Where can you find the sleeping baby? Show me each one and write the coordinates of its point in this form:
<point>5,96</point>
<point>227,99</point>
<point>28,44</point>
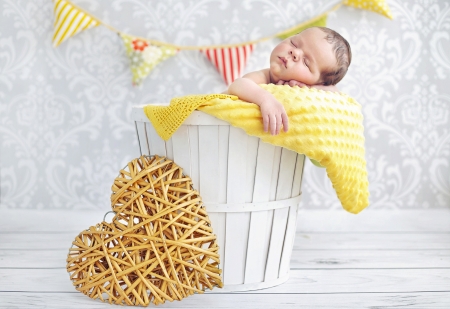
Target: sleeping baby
<point>316,57</point>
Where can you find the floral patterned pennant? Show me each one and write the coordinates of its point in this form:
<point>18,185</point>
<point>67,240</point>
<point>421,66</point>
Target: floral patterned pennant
<point>144,56</point>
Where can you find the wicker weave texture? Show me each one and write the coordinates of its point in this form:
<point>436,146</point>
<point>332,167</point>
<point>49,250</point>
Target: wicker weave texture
<point>160,245</point>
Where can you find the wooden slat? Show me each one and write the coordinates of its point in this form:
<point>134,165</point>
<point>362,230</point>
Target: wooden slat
<point>279,223</point>
<point>218,220</point>
<point>208,163</point>
<point>142,137</point>
<point>286,174</point>
<point>218,223</point>
<point>237,224</point>
<point>260,227</point>
<point>258,244</point>
<point>292,219</point>
<point>181,149</point>
<point>430,300</point>
<point>209,175</point>
<point>252,152</point>
<point>275,171</point>
<point>288,242</point>
<point>156,145</point>
<point>169,148</point>
<point>195,156</point>
<point>304,280</point>
<point>298,175</point>
<point>263,176</point>
<point>237,169</point>
<point>224,135</point>
<point>280,217</point>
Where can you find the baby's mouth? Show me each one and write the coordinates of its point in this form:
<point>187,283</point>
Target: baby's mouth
<point>284,61</point>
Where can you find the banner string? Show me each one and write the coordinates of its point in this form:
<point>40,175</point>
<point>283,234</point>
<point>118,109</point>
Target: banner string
<point>184,47</point>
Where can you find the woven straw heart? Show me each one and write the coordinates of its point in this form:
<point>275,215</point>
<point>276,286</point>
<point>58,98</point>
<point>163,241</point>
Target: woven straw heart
<point>160,245</point>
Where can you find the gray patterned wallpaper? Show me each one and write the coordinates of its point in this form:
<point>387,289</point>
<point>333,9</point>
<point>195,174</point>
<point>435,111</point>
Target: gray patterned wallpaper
<point>65,113</point>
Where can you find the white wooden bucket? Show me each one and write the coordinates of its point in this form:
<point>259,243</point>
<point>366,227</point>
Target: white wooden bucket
<point>250,189</point>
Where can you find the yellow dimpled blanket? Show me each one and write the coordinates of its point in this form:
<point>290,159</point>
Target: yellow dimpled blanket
<point>325,126</point>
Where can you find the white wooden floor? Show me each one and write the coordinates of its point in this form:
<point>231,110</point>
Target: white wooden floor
<point>377,259</point>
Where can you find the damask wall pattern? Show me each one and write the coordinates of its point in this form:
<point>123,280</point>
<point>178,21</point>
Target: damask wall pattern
<point>65,113</point>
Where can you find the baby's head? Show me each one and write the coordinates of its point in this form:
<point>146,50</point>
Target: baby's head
<point>317,55</point>
<point>343,54</point>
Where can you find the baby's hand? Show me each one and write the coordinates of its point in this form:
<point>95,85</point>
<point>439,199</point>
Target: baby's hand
<point>274,115</point>
<point>292,83</point>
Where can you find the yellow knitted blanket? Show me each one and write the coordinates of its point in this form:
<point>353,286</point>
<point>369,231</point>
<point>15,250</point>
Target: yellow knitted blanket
<point>325,126</point>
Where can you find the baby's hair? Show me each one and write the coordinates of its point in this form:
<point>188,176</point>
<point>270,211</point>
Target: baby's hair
<point>343,55</point>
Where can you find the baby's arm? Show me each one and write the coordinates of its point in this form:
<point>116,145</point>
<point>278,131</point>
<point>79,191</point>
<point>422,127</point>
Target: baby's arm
<point>272,111</point>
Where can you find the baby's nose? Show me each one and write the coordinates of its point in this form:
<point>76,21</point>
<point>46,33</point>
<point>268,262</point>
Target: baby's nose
<point>294,54</point>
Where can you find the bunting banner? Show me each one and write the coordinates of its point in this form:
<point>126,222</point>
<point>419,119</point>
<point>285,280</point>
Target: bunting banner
<point>69,20</point>
<point>229,61</point>
<point>145,54</point>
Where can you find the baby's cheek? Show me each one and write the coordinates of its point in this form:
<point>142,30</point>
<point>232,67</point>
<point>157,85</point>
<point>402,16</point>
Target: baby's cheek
<point>275,70</point>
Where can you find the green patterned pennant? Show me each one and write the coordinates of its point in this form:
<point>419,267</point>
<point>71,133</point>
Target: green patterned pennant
<point>144,56</point>
<point>320,21</point>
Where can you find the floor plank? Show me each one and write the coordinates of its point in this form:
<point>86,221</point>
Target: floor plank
<point>304,280</point>
<point>69,221</point>
<point>430,300</point>
<point>37,258</point>
<point>370,258</point>
<point>390,220</point>
<point>427,220</point>
<point>372,241</point>
<point>43,258</point>
<point>310,241</point>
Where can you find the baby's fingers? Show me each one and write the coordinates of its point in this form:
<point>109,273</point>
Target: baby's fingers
<point>293,83</point>
<point>285,120</point>
<point>266,122</point>
<point>278,124</point>
<point>273,124</point>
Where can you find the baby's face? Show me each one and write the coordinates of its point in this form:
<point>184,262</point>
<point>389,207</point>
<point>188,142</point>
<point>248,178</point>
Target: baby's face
<point>302,57</point>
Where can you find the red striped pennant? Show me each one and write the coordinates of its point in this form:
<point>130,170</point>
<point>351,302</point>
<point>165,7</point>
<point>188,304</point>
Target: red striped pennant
<point>229,61</point>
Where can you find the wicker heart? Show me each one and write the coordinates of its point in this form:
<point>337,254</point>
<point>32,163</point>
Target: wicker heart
<point>160,245</point>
